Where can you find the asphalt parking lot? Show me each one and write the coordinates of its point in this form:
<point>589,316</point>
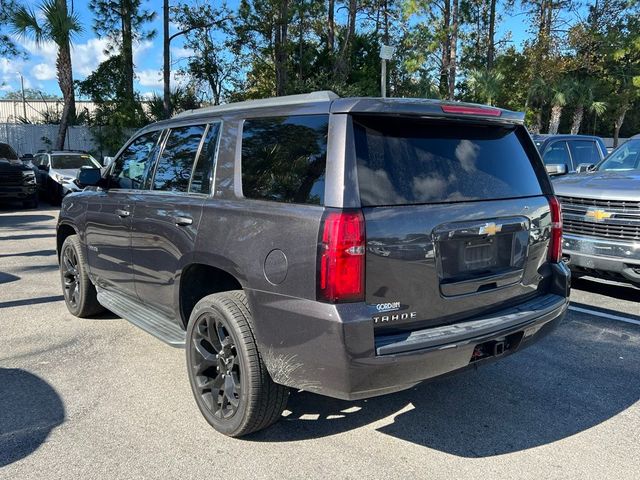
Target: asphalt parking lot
<point>100,398</point>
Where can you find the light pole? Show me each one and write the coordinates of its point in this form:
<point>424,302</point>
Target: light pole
<point>386,52</point>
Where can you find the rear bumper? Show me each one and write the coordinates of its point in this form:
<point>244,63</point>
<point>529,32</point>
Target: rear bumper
<point>331,350</point>
<point>602,257</point>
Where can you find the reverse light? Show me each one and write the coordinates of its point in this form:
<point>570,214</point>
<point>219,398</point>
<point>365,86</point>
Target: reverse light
<point>341,257</point>
<point>468,110</point>
<point>555,243</point>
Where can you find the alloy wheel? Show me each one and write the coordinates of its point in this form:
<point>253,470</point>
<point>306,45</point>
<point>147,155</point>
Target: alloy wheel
<point>216,364</point>
<point>71,277</point>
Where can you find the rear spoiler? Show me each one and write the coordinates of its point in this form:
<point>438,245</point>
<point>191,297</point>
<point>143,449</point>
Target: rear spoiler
<point>425,107</point>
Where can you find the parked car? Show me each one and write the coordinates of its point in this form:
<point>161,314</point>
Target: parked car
<point>349,247</point>
<point>17,181</point>
<point>58,171</point>
<point>563,154</point>
<point>601,215</point>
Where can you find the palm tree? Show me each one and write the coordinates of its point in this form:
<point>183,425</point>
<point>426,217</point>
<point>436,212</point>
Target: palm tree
<point>53,23</point>
<point>559,96</point>
<point>584,99</point>
<point>485,85</point>
<point>537,95</point>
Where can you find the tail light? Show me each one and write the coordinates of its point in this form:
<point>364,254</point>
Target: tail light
<point>555,244</point>
<point>341,257</point>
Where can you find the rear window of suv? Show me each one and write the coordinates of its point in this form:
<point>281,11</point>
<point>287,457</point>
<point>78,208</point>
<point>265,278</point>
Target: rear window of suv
<point>284,158</point>
<point>403,161</point>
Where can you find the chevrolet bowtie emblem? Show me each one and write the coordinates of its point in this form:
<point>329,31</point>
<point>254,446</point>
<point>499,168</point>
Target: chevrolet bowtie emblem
<point>490,229</point>
<point>598,215</point>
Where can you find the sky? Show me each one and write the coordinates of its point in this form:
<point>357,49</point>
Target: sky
<point>38,69</point>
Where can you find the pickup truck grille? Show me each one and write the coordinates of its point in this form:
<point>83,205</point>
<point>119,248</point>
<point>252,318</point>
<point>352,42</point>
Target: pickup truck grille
<point>11,178</point>
<point>620,219</point>
<point>603,230</point>
<point>622,205</point>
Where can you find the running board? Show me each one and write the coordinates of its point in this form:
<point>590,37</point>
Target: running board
<point>151,321</point>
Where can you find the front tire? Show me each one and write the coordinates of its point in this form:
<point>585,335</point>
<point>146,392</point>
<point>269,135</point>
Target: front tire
<point>228,377</point>
<point>80,294</point>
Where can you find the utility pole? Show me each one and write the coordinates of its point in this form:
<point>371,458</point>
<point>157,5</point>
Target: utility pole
<point>24,101</point>
<point>386,53</point>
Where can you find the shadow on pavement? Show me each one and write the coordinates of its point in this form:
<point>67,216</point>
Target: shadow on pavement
<point>571,381</point>
<point>7,277</point>
<point>30,409</point>
<point>36,253</point>
<point>28,236</point>
<point>617,290</point>
<point>31,301</point>
<point>21,220</point>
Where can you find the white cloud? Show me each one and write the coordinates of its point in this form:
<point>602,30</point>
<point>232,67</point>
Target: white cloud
<point>43,71</point>
<point>152,79</point>
<point>178,53</point>
<point>85,57</point>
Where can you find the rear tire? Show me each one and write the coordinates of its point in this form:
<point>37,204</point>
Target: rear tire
<point>80,294</point>
<point>228,377</point>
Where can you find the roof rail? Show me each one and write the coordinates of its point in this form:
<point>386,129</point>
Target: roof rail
<point>320,96</point>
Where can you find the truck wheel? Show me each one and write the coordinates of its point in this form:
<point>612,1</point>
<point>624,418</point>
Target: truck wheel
<point>79,293</point>
<point>31,203</point>
<point>229,380</point>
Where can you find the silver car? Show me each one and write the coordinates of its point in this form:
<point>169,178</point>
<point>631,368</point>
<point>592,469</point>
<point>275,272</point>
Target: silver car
<point>58,170</point>
<point>601,215</point>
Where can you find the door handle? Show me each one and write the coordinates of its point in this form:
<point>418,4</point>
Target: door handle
<point>122,213</point>
<point>183,221</point>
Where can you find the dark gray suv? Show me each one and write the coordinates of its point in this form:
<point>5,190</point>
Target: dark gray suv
<point>349,247</point>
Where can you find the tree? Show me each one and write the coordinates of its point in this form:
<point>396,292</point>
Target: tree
<point>583,99</point>
<point>122,22</point>
<point>559,95</point>
<point>206,30</point>
<point>486,85</point>
<point>53,22</point>
<point>8,48</point>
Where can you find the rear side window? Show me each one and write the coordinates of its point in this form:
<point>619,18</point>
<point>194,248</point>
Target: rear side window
<point>409,161</point>
<point>175,164</point>
<point>203,171</point>
<point>584,151</point>
<point>284,158</point>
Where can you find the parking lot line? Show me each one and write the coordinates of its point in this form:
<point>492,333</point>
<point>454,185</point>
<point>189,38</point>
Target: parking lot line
<point>604,315</point>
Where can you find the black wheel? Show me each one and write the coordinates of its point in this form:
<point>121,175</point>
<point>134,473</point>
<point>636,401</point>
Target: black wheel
<point>31,203</point>
<point>229,380</point>
<point>79,292</point>
<point>55,194</point>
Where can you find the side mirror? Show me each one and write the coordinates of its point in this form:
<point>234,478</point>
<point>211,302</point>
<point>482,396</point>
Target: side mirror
<point>106,161</point>
<point>585,167</point>
<point>89,177</point>
<point>43,167</point>
<point>556,169</point>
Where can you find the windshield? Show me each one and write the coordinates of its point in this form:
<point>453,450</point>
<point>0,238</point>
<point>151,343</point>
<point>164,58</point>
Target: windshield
<point>70,161</point>
<point>625,157</point>
<point>7,152</point>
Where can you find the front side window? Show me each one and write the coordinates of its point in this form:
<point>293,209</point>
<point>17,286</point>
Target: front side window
<point>626,157</point>
<point>132,166</point>
<point>284,158</point>
<point>557,154</point>
<point>176,161</point>
<point>584,151</point>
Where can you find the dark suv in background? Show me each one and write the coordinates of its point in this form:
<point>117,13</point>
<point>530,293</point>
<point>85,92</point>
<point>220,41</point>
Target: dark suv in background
<point>17,180</point>
<point>349,247</point>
